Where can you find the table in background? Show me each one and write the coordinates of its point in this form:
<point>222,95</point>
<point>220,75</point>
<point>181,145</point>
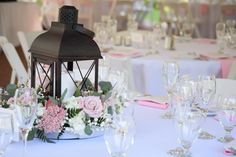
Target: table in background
<point>145,71</point>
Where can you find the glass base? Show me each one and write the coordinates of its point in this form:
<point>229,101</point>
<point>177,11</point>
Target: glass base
<point>118,154</point>
<point>167,115</point>
<point>176,151</point>
<point>225,139</point>
<point>2,153</point>
<point>206,136</point>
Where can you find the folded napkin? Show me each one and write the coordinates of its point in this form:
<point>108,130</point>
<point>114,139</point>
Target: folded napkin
<point>205,41</point>
<point>126,54</point>
<point>155,102</point>
<point>214,56</point>
<point>230,148</point>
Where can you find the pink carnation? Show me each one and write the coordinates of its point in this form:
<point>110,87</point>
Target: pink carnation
<point>53,118</point>
<point>93,106</point>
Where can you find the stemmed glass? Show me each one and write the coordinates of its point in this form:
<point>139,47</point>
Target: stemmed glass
<point>26,104</point>
<point>119,135</point>
<point>188,29</point>
<point>227,116</point>
<point>221,36</point>
<point>188,121</point>
<point>6,132</point>
<point>183,99</point>
<point>206,91</point>
<point>170,73</point>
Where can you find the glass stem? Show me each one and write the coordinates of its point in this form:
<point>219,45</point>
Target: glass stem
<point>228,137</point>
<point>187,152</point>
<point>170,98</point>
<point>24,134</point>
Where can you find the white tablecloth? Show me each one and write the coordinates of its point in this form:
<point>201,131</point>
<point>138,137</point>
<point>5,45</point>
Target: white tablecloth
<point>146,71</point>
<point>154,138</point>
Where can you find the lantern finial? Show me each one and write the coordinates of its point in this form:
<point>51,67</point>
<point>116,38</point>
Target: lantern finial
<point>68,15</point>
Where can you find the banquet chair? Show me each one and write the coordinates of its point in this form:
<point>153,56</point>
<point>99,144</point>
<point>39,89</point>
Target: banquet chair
<point>15,62</point>
<point>26,39</point>
<point>225,87</point>
<point>232,72</point>
<point>3,40</point>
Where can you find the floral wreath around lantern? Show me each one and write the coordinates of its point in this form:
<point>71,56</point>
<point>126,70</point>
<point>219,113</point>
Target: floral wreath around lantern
<point>80,114</point>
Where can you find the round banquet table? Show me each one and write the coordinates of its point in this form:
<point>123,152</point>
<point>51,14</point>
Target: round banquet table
<point>154,137</point>
<point>195,57</point>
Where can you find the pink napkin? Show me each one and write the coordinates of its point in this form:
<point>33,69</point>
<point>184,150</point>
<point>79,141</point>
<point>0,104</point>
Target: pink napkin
<point>225,66</point>
<point>128,54</point>
<point>152,104</point>
<point>205,41</point>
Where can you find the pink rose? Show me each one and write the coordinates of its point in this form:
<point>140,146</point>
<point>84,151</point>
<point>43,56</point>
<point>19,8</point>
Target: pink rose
<point>11,101</point>
<point>93,106</point>
<point>26,100</point>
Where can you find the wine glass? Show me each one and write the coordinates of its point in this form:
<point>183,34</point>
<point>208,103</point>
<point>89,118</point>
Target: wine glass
<point>221,36</point>
<point>206,89</point>
<point>188,29</point>
<point>119,135</point>
<point>170,73</point>
<point>26,104</point>
<point>188,121</point>
<point>227,116</point>
<point>6,132</point>
<point>206,92</point>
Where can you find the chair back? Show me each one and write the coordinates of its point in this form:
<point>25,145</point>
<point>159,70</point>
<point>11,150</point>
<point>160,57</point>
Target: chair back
<point>225,87</point>
<point>26,39</point>
<point>232,72</point>
<point>15,61</point>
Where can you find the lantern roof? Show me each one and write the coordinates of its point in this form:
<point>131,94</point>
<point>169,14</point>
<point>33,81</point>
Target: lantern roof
<point>66,40</point>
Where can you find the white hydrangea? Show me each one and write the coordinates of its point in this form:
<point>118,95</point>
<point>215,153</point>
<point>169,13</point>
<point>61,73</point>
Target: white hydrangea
<point>41,110</point>
<point>72,102</point>
<point>77,125</point>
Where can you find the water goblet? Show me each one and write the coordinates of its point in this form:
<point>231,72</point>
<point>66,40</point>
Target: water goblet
<point>6,132</point>
<point>206,91</point>
<point>26,104</point>
<point>227,116</point>
<point>188,121</point>
<point>170,73</point>
<point>188,29</point>
<point>221,36</point>
<point>119,135</point>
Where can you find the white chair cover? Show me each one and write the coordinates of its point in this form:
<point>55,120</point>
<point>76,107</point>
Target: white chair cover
<point>225,87</point>
<point>232,72</point>
<point>15,62</point>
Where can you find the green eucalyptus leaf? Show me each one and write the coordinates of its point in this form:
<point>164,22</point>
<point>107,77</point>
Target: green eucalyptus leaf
<point>110,110</point>
<point>64,94</point>
<point>11,89</point>
<point>77,93</point>
<point>31,135</point>
<point>105,86</point>
<point>88,130</point>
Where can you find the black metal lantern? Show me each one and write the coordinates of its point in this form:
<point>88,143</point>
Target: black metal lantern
<point>64,43</point>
